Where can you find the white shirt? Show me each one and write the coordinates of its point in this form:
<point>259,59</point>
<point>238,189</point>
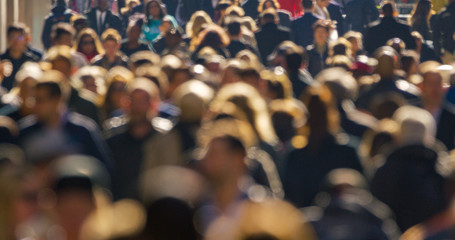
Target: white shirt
<point>100,18</point>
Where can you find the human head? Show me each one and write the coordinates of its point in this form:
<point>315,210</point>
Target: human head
<point>224,160</point>
<point>308,4</point>
<point>88,43</point>
<point>323,3</point>
<point>49,96</point>
<point>195,25</point>
<point>61,59</point>
<point>269,16</point>
<point>155,9</point>
<point>263,5</point>
<point>432,88</point>
<point>417,126</point>
<point>321,31</point>
<point>193,98</point>
<point>388,8</point>
<point>63,34</point>
<point>111,40</point>
<point>355,38</point>
<point>143,100</point>
<point>134,30</point>
<point>103,5</point>
<point>16,36</point>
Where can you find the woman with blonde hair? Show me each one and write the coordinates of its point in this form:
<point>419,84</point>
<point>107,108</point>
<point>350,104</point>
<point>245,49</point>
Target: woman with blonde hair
<point>196,24</point>
<point>88,43</point>
<point>214,37</point>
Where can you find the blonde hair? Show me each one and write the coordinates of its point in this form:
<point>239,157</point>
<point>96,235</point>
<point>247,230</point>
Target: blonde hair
<point>250,105</point>
<point>196,22</point>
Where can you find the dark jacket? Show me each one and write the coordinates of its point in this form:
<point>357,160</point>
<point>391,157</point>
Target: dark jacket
<point>445,131</point>
<point>269,37</point>
<point>378,90</point>
<point>336,14</point>
<point>58,14</point>
<point>359,14</point>
<point>306,169</point>
<point>80,105</point>
<point>302,29</point>
<point>9,82</point>
<point>102,61</point>
<point>110,21</point>
<point>316,60</point>
<point>410,185</point>
<point>443,31</point>
<point>388,28</point>
<point>77,134</point>
<point>128,156</point>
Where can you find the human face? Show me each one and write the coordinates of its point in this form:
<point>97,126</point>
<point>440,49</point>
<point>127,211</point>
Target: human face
<point>320,36</point>
<point>87,45</point>
<point>217,162</point>
<point>111,47</point>
<point>154,10</point>
<point>116,93</point>
<point>432,88</point>
<point>103,5</point>
<point>140,104</point>
<point>46,107</point>
<point>65,39</point>
<point>323,3</point>
<point>62,66</point>
<point>16,41</point>
<point>89,83</point>
<point>134,33</point>
<point>269,4</point>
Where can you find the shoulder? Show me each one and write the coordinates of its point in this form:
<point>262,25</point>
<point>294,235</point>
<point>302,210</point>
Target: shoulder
<point>27,123</point>
<point>82,122</point>
<point>97,59</point>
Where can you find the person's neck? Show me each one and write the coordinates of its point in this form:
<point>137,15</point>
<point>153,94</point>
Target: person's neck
<point>432,106</point>
<point>234,38</point>
<point>133,43</point>
<point>111,58</point>
<point>140,129</point>
<point>226,193</point>
<point>53,121</point>
<point>16,54</point>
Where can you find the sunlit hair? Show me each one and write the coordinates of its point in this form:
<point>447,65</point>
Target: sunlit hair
<point>351,35</point>
<point>154,74</point>
<point>261,6</point>
<point>323,114</point>
<point>339,61</point>
<point>143,84</point>
<point>341,47</point>
<point>196,22</point>
<point>193,98</point>
<point>116,74</point>
<point>250,107</point>
<point>278,82</point>
<point>292,107</point>
<point>213,36</point>
<point>239,129</point>
<point>95,72</point>
<point>111,34</point>
<point>417,126</point>
<point>234,10</point>
<point>249,23</point>
<point>91,33</point>
<point>248,56</point>
<point>421,12</point>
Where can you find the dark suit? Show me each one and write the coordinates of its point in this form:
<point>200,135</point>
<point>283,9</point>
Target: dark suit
<point>445,131</point>
<point>110,21</point>
<point>386,29</point>
<point>359,14</point>
<point>269,37</point>
<point>443,31</point>
<point>336,14</point>
<point>302,29</point>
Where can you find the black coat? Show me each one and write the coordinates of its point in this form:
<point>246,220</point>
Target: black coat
<point>269,37</point>
<point>302,29</point>
<point>58,14</point>
<point>306,169</point>
<point>110,21</point>
<point>443,31</point>
<point>359,14</point>
<point>388,28</point>
<point>336,14</point>
<point>316,61</point>
<point>410,185</point>
<point>445,131</point>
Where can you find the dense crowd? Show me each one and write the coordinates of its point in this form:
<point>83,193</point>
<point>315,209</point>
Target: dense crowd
<point>248,120</point>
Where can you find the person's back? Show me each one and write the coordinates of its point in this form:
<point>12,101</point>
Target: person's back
<point>359,13</point>
<point>302,27</point>
<point>388,28</point>
<point>270,35</point>
<point>443,32</point>
<point>59,13</point>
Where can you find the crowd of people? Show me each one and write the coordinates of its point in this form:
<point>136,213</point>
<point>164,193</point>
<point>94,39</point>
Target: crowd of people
<point>229,119</point>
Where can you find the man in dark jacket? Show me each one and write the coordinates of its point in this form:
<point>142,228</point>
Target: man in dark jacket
<point>101,18</point>
<point>443,32</point>
<point>336,14</point>
<point>359,14</point>
<point>270,35</point>
<point>54,130</point>
<point>302,27</point>
<point>388,28</point>
<point>60,13</point>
